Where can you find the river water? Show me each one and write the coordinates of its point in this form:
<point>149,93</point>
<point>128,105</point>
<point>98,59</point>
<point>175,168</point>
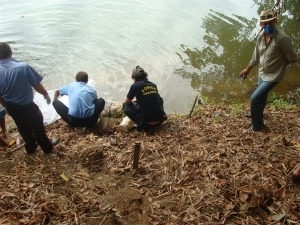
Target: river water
<point>187,47</point>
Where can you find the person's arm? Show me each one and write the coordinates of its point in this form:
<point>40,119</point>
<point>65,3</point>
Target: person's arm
<point>244,73</point>
<point>287,49</point>
<point>56,95</point>
<point>131,94</point>
<point>253,62</point>
<point>127,100</point>
<point>40,89</point>
<point>2,102</point>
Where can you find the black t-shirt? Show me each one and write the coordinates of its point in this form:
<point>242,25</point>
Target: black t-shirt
<point>149,101</point>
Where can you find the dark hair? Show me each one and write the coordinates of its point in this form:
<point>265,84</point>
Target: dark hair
<point>5,50</point>
<point>138,73</point>
<point>82,76</point>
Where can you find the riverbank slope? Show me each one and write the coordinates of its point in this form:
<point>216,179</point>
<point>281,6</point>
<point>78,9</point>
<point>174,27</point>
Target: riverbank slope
<point>204,169</point>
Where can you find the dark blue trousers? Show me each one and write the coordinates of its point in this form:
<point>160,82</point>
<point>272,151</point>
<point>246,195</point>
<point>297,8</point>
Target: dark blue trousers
<point>29,121</point>
<point>63,111</point>
<point>258,103</point>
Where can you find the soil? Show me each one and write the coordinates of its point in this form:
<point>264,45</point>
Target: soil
<point>208,168</point>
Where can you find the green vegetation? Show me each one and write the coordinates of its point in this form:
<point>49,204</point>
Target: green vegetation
<point>237,109</point>
<point>290,101</point>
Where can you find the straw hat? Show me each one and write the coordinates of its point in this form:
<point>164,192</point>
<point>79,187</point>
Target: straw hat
<point>267,15</point>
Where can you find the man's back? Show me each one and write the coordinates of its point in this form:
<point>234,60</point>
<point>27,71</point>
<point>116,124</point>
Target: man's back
<point>148,99</point>
<point>82,99</point>
<point>16,81</point>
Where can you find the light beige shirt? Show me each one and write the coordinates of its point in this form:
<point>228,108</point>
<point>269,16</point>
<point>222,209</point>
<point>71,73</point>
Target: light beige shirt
<point>274,57</point>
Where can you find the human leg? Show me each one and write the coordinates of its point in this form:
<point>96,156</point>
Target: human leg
<point>258,103</point>
<point>89,121</point>
<point>2,120</point>
<point>296,175</point>
<point>35,117</point>
<point>99,106</point>
<point>3,126</point>
<point>132,111</point>
<point>19,115</point>
<point>62,110</point>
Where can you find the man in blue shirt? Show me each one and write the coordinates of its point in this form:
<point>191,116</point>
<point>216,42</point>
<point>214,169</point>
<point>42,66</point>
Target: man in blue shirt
<point>84,105</point>
<point>16,95</point>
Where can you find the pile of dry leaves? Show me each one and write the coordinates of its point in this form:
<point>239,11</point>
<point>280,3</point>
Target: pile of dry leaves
<point>203,169</point>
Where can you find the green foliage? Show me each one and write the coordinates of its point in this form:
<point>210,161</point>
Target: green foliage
<point>279,102</point>
<point>237,109</point>
<point>196,106</point>
<point>293,97</point>
<point>218,119</point>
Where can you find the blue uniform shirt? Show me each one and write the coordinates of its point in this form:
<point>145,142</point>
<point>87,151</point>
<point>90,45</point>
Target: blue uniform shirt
<point>82,99</point>
<point>16,81</point>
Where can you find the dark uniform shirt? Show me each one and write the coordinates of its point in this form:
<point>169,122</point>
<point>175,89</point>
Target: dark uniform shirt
<point>148,100</point>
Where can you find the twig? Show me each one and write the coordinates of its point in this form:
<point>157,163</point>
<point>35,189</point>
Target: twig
<point>8,181</point>
<point>14,149</point>
<point>193,106</point>
<point>103,220</point>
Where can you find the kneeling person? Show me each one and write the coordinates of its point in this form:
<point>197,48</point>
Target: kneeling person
<point>84,105</point>
<point>148,110</point>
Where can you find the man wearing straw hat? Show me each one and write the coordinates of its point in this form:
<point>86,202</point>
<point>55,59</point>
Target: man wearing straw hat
<point>273,53</point>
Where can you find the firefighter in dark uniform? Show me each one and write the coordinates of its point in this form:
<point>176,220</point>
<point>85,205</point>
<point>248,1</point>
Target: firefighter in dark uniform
<point>147,110</point>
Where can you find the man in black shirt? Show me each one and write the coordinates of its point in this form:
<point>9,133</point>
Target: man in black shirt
<point>148,110</point>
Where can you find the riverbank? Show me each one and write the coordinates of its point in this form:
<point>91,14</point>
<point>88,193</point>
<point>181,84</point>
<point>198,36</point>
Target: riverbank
<point>204,169</point>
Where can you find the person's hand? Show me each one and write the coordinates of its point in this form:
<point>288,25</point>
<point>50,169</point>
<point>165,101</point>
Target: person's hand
<point>56,95</point>
<point>244,74</point>
<point>48,99</point>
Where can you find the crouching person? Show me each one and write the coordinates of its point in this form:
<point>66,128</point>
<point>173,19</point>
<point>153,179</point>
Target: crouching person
<point>148,110</point>
<point>84,105</point>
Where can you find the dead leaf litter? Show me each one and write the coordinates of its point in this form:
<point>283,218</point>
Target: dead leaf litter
<point>204,169</point>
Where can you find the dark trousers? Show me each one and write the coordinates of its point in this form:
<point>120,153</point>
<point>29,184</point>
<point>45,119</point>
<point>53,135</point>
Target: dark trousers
<point>29,121</point>
<point>63,111</point>
<point>132,111</point>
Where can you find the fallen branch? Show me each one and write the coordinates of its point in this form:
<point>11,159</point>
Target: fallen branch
<point>14,149</point>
